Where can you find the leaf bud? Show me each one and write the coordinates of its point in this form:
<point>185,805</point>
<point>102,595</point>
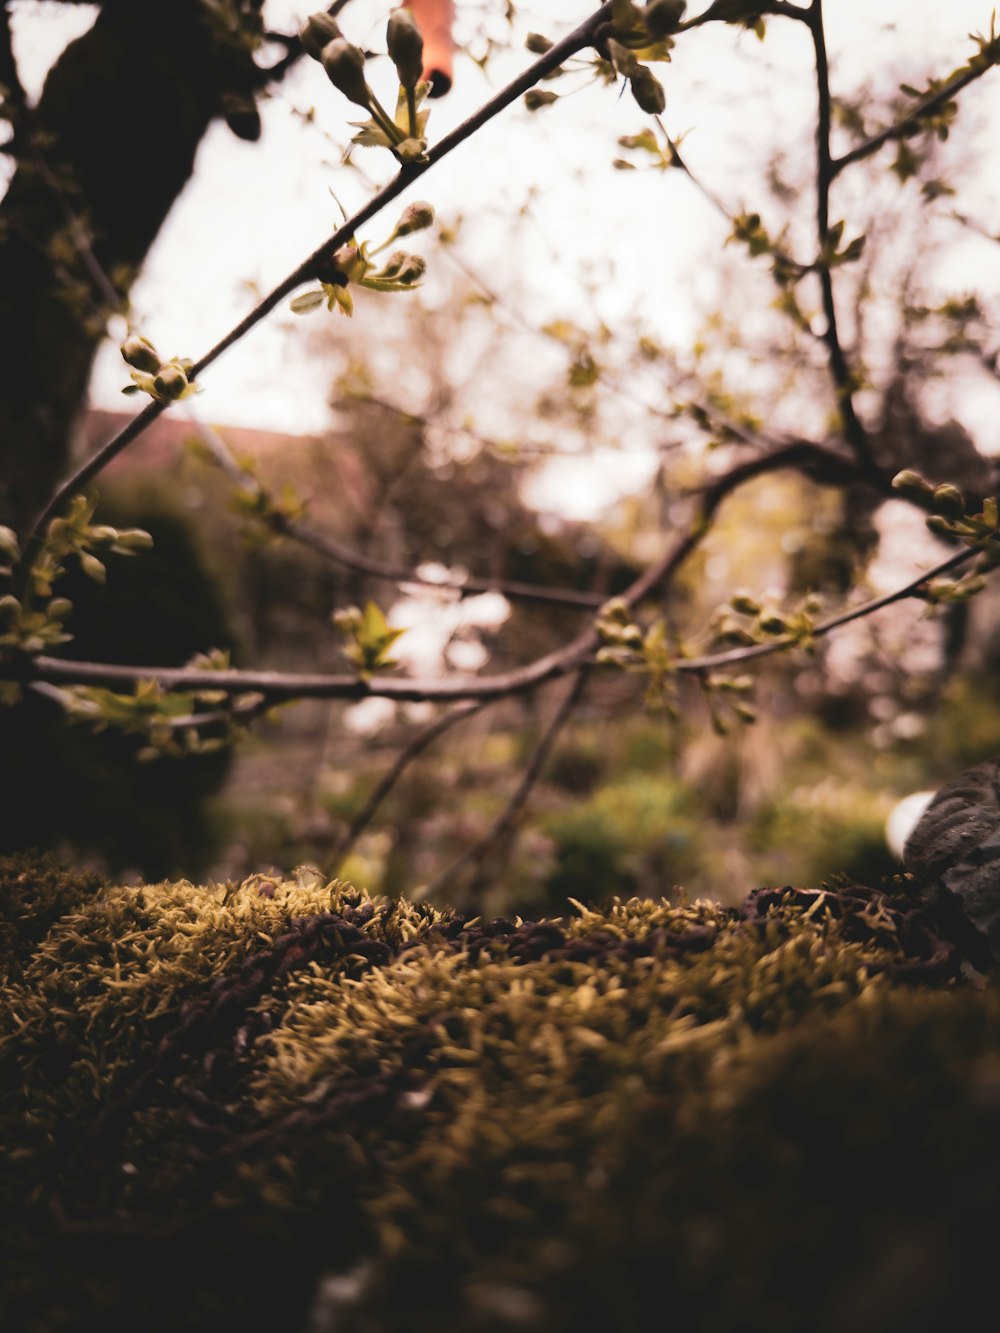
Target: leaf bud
<point>135,539</point>
<point>317,32</point>
<point>413,270</point>
<point>92,567</point>
<point>744,604</point>
<point>663,16</point>
<point>347,619</point>
<point>345,68</point>
<point>415,217</point>
<point>537,44</point>
<point>140,353</point>
<point>947,500</point>
<point>617,610</point>
<point>911,486</point>
<point>406,47</point>
<point>536,98</point>
<point>393,266</point>
<point>170,384</point>
<point>647,91</point>
<point>8,543</point>
<point>939,525</point>
<point>771,622</point>
<point>242,117</point>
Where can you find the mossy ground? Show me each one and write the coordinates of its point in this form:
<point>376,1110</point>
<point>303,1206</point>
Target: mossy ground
<point>286,1105</point>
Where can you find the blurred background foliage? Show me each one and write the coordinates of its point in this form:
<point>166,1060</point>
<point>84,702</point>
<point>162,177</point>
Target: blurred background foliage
<point>471,430</point>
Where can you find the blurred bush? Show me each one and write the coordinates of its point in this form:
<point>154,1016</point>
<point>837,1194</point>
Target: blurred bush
<point>87,793</point>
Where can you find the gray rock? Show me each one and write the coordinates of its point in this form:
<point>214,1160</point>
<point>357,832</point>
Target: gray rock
<point>954,854</point>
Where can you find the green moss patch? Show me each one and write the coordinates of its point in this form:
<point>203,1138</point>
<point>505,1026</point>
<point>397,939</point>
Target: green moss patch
<point>288,1105</point>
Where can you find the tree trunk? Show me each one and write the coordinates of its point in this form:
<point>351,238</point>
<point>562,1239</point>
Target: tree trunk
<point>109,146</point>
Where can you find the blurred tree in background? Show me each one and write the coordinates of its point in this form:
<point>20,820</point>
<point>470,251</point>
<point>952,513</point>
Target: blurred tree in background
<point>572,695</point>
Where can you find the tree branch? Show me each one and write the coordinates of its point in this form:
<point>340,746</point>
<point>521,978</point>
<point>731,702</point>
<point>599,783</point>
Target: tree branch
<point>581,37</point>
<point>341,554</point>
<point>927,107</point>
<point>406,756</point>
<point>505,821</point>
<point>912,589</point>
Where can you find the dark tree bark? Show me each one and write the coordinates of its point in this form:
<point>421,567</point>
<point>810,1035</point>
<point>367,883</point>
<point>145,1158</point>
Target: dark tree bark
<point>102,157</point>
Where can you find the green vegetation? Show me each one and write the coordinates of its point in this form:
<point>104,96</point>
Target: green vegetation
<point>287,1104</point>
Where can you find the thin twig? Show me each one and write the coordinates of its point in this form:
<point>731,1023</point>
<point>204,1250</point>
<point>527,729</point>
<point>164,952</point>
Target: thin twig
<point>912,589</point>
<point>236,710</point>
<point>840,371</point>
<point>340,553</point>
<point>577,40</point>
<point>504,823</point>
<point>770,7</point>
<point>403,759</point>
<point>927,107</point>
<point>288,685</point>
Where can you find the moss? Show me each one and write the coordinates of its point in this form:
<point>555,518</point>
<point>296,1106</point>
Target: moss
<point>289,1104</point>
<point>35,891</point>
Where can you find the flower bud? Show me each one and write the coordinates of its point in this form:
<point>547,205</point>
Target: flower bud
<point>537,44</point>
<point>170,384</point>
<point>617,610</point>
<point>140,353</point>
<point>744,604</point>
<point>415,217</point>
<point>412,270</point>
<point>912,485</point>
<point>940,526</point>
<point>406,47</point>
<point>242,117</point>
<point>317,32</point>
<point>947,500</point>
<point>345,68</point>
<point>663,16</point>
<point>647,91</point>
<point>536,98</point>
<point>394,265</point>
<point>772,623</point>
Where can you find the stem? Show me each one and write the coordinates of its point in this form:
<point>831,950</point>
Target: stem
<point>384,121</point>
<point>505,821</point>
<point>840,371</point>
<point>911,589</point>
<point>339,553</point>
<point>416,747</point>
<point>288,685</point>
<point>912,118</point>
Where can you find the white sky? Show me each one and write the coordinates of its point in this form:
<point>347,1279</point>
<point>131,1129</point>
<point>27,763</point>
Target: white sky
<point>252,211</point>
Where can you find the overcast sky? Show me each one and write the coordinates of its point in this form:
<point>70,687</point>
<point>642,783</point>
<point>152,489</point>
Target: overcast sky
<point>253,211</point>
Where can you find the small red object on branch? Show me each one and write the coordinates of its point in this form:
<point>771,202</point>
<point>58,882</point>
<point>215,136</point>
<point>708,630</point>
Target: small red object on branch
<point>434,19</point>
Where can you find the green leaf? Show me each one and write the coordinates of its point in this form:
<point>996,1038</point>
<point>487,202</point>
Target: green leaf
<point>306,302</point>
<point>584,371</point>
